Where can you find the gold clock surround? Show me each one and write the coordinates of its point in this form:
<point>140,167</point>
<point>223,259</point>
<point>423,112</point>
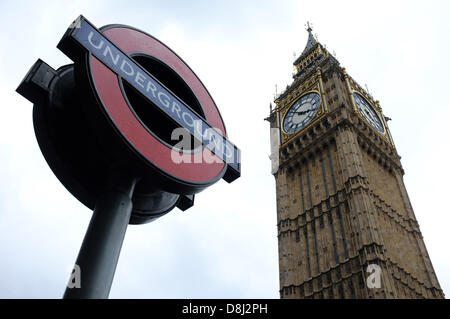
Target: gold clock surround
<point>321,112</point>
<point>375,109</point>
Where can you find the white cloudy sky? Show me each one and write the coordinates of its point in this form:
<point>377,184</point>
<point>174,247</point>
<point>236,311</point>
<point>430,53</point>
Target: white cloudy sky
<point>226,245</point>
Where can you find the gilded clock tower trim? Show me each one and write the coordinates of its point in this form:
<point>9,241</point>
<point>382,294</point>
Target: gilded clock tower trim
<point>346,227</point>
<point>314,85</point>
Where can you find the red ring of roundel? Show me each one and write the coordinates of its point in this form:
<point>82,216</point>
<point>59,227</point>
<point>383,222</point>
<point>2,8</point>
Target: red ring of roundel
<point>151,148</point>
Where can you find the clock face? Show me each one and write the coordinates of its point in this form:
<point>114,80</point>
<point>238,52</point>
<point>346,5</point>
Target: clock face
<point>368,112</point>
<point>301,112</point>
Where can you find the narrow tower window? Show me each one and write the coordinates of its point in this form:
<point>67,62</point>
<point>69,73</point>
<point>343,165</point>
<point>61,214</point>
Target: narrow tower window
<point>307,250</point>
<point>302,194</point>
<point>341,223</point>
<point>330,217</point>
<point>324,178</point>
<point>316,248</point>
<point>333,180</point>
<point>308,179</point>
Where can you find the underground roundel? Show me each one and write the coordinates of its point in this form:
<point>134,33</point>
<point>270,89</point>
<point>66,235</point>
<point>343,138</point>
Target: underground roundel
<point>148,91</point>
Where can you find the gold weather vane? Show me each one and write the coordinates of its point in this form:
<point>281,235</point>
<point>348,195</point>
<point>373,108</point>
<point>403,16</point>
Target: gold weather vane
<point>308,26</point>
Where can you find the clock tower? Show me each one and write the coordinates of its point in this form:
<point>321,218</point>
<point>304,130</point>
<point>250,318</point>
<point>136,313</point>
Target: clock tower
<point>346,227</point>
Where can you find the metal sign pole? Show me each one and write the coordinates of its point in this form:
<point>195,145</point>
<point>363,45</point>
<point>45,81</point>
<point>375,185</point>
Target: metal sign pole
<point>99,253</point>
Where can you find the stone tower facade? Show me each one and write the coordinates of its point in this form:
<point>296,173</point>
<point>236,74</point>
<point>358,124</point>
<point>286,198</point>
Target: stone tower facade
<point>346,227</point>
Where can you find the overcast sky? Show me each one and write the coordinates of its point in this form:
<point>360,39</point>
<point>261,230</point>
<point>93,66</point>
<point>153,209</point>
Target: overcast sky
<point>226,245</point>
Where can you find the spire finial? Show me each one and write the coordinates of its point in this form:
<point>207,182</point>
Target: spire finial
<point>308,26</point>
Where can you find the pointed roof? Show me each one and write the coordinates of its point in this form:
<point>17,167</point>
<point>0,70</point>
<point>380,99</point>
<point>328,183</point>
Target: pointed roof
<point>309,44</point>
<point>311,40</point>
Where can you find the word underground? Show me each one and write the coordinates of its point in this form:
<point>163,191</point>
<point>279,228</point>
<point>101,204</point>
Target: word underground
<point>120,63</point>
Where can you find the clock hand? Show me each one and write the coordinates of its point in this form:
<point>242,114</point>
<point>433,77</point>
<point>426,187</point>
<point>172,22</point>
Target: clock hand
<point>372,117</point>
<point>303,112</point>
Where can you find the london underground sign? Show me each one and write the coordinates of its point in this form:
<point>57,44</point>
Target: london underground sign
<point>111,55</point>
<point>106,125</point>
<point>109,60</point>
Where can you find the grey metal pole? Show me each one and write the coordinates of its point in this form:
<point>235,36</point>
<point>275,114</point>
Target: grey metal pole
<point>99,253</point>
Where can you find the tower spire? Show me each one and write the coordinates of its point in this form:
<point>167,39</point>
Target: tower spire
<point>311,39</point>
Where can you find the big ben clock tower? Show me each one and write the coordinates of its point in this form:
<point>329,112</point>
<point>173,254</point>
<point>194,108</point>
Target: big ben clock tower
<point>346,227</point>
